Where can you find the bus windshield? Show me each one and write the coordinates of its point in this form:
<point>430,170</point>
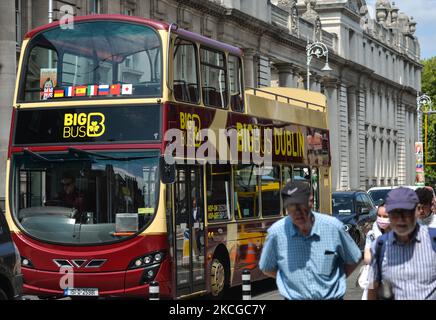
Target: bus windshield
<point>93,60</point>
<point>81,197</point>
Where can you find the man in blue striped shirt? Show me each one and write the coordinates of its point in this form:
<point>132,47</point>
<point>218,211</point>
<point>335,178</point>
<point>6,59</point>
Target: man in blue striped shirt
<point>310,254</point>
<point>405,256</point>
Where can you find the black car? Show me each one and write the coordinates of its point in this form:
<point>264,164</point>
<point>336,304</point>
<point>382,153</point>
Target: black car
<point>357,211</point>
<point>11,279</point>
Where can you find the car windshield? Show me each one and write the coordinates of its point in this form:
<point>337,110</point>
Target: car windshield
<point>342,204</point>
<point>93,60</point>
<point>81,197</point>
<point>378,196</point>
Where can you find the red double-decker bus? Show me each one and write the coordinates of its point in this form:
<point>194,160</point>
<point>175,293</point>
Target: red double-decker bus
<point>93,207</point>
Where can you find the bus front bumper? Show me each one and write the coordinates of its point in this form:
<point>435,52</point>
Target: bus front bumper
<point>110,284</point>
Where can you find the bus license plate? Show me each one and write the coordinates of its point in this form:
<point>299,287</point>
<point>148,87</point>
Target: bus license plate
<point>81,292</point>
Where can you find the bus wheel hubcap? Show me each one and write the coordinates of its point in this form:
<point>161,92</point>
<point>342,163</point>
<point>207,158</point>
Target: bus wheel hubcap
<point>217,277</point>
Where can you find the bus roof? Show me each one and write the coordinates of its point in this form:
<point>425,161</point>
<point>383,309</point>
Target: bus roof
<point>209,42</point>
<point>155,24</point>
<point>159,25</point>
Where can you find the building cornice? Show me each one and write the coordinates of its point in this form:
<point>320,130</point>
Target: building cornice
<point>337,7</point>
<point>392,49</point>
<point>282,35</point>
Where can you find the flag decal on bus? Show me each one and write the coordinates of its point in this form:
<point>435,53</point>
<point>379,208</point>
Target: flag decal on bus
<point>103,90</point>
<point>115,89</point>
<point>69,91</point>
<point>59,93</point>
<point>81,91</point>
<point>92,90</point>
<point>127,89</point>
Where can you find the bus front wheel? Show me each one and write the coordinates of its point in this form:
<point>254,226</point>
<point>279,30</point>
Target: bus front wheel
<point>217,279</point>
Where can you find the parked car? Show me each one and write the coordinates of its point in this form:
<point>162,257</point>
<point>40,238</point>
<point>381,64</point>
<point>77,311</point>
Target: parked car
<point>378,194</point>
<point>11,278</point>
<point>357,211</point>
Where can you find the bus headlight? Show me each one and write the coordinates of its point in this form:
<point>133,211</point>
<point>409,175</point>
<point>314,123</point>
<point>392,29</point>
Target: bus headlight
<point>138,263</point>
<point>150,259</point>
<point>149,274</point>
<point>158,257</point>
<point>26,263</point>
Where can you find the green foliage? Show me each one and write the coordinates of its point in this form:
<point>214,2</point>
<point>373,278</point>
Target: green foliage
<point>429,88</point>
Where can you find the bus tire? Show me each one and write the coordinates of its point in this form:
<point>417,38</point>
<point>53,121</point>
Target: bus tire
<point>218,279</point>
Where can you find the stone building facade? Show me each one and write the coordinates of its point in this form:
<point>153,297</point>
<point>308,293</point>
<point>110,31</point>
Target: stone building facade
<point>371,91</point>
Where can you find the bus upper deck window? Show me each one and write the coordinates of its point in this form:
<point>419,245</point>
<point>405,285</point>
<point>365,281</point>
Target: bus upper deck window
<point>213,78</point>
<point>235,82</point>
<point>42,73</point>
<point>185,71</point>
<point>95,60</point>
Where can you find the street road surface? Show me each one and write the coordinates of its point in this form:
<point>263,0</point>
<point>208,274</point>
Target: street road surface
<point>267,290</point>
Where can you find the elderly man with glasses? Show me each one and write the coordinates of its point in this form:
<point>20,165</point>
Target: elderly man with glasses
<point>310,254</point>
<point>403,265</point>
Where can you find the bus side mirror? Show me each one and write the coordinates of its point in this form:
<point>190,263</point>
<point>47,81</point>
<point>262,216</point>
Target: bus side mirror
<point>167,171</point>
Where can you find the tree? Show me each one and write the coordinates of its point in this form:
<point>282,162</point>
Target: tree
<point>429,88</point>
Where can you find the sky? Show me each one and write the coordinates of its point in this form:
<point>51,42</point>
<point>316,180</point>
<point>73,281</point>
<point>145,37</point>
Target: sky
<point>424,13</point>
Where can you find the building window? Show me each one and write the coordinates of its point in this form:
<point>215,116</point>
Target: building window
<point>18,22</point>
<point>128,7</point>
<point>94,6</point>
<point>364,54</point>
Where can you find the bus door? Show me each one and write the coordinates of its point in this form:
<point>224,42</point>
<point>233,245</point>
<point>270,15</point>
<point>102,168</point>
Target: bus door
<point>189,229</point>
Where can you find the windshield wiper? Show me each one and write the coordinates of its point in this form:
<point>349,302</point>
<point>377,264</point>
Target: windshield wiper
<point>40,157</point>
<point>75,151</point>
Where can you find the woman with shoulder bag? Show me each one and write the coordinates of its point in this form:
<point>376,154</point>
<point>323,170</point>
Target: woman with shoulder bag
<point>380,226</point>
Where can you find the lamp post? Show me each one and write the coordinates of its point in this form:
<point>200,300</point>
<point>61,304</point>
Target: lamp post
<point>421,100</point>
<point>317,49</point>
<point>50,20</point>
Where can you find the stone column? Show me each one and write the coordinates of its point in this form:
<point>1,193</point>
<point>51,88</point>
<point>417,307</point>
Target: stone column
<point>313,77</point>
<point>401,145</point>
<point>7,81</point>
<point>369,155</point>
<point>249,71</point>
<point>331,92</point>
<point>377,157</point>
<point>317,83</point>
<point>344,152</point>
<point>287,75</point>
<point>353,138</point>
<point>361,138</point>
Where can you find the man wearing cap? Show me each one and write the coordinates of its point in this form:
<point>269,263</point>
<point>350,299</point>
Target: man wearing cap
<point>404,263</point>
<point>310,254</point>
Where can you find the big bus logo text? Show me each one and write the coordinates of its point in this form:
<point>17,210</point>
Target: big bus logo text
<point>81,125</point>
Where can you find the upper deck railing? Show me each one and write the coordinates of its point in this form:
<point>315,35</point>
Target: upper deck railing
<point>286,99</point>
